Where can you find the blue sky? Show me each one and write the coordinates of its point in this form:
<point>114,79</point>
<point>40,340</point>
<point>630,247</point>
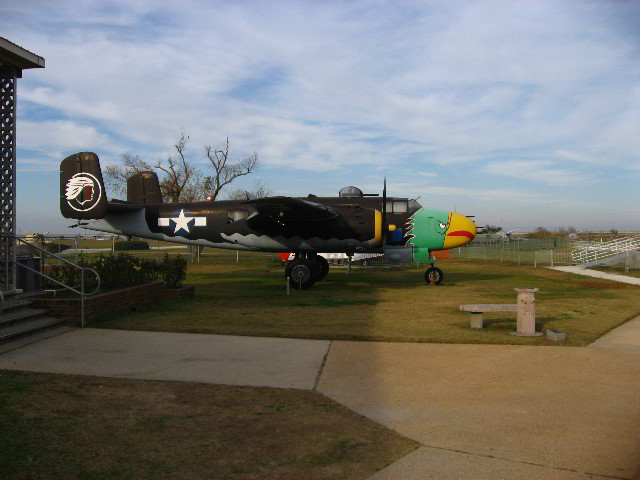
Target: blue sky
<point>522,113</point>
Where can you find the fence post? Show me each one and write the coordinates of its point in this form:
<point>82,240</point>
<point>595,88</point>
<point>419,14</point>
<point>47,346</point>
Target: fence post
<point>552,257</point>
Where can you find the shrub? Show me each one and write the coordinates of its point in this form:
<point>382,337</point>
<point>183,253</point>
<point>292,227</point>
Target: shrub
<point>173,270</point>
<point>121,270</point>
<point>131,245</point>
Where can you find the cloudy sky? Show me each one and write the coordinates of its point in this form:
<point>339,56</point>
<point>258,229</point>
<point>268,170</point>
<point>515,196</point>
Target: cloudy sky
<point>522,113</point>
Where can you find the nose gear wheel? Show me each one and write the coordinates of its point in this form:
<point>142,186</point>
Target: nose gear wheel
<point>433,275</point>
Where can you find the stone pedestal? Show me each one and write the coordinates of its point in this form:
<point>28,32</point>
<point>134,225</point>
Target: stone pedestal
<point>526,312</point>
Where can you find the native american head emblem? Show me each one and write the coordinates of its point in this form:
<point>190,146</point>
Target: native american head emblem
<point>83,191</point>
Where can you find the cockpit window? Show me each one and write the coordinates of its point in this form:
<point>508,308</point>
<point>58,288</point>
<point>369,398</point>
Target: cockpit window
<point>400,207</point>
<point>397,206</point>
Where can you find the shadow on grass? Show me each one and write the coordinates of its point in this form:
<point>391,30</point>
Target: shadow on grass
<point>376,304</point>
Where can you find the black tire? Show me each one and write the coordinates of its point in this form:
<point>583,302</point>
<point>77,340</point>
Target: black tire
<point>364,262</point>
<point>301,273</point>
<point>433,275</point>
<point>322,267</point>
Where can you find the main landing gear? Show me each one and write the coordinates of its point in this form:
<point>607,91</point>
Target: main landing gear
<point>305,270</point>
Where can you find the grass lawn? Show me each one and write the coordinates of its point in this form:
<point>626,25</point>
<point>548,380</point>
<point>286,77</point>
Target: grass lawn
<point>90,428</point>
<point>383,304</point>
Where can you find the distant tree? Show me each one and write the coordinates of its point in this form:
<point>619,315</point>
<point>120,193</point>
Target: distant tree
<point>116,175</point>
<point>613,231</point>
<point>541,230</point>
<point>181,180</point>
<point>259,190</point>
<point>225,172</point>
<point>491,229</point>
<point>571,230</point>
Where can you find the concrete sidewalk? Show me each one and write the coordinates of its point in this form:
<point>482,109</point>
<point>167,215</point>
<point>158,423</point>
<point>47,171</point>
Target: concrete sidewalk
<point>252,361</point>
<point>598,274</point>
<point>492,412</point>
<point>625,338</point>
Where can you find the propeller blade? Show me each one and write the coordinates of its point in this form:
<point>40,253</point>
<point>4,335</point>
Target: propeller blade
<point>384,213</point>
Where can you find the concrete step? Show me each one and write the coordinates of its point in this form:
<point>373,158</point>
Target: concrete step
<point>19,315</point>
<point>8,332</point>
<point>33,337</point>
<point>14,304</point>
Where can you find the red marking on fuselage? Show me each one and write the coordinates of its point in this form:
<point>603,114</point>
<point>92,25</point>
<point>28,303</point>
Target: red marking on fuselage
<point>462,233</point>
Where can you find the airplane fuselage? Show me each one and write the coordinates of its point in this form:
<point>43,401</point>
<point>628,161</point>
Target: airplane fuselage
<point>238,225</point>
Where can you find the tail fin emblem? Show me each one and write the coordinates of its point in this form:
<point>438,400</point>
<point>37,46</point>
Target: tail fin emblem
<point>83,192</point>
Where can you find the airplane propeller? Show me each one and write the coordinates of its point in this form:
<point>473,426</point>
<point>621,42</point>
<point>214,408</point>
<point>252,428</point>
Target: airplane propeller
<point>384,213</point>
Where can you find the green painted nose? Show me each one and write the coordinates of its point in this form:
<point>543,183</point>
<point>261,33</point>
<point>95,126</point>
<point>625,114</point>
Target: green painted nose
<point>430,229</point>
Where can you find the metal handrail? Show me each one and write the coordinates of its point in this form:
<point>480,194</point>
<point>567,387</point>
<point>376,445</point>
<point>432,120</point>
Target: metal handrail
<point>593,251</point>
<point>80,292</point>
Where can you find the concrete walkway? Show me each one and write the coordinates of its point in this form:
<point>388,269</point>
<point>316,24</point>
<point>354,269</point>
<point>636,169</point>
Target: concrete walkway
<point>598,274</point>
<point>625,338</point>
<point>492,412</point>
<point>479,411</point>
<point>252,361</point>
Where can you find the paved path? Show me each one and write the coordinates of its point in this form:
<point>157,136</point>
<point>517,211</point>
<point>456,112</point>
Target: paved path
<point>625,338</point>
<point>479,411</point>
<point>491,412</point>
<point>272,362</point>
<point>598,274</point>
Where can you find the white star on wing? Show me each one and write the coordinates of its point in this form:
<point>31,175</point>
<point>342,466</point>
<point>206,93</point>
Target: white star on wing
<point>182,222</point>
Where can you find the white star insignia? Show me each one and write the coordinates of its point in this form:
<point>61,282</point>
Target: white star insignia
<point>182,222</point>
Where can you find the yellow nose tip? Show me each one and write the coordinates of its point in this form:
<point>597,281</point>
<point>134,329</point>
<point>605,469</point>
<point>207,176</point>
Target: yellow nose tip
<point>461,231</point>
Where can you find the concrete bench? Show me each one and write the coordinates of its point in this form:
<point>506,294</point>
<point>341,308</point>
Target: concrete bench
<point>477,310</point>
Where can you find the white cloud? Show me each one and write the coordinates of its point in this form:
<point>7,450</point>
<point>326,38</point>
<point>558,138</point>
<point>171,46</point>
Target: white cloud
<point>59,136</point>
<point>541,171</point>
<point>331,86</point>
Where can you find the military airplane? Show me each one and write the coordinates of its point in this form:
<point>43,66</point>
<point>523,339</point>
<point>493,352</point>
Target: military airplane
<point>351,223</point>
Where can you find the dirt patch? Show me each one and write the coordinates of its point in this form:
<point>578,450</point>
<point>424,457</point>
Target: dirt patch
<point>63,426</point>
<point>602,284</point>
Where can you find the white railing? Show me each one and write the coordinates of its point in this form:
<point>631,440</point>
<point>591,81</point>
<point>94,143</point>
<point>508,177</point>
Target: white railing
<point>588,252</point>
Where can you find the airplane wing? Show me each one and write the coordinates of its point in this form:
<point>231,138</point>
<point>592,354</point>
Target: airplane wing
<point>122,206</point>
<point>292,210</point>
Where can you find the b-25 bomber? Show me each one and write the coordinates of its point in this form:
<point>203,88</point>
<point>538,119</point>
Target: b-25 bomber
<point>351,223</point>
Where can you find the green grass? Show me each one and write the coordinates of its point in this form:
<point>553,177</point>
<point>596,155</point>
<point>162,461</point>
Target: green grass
<point>90,428</point>
<point>383,304</point>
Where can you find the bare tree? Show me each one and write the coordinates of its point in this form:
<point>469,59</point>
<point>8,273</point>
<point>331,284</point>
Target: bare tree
<point>116,175</point>
<point>180,181</point>
<point>225,172</point>
<point>178,173</point>
<point>259,190</point>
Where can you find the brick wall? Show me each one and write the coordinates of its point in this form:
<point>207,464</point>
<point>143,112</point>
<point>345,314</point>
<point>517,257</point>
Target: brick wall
<point>134,298</point>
